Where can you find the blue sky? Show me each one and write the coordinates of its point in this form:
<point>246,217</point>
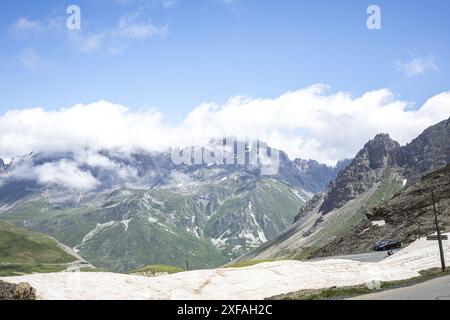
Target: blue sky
<point>215,49</point>
<point>175,55</point>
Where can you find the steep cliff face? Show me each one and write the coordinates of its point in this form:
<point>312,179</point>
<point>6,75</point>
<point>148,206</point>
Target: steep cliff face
<point>379,171</point>
<point>405,217</point>
<point>430,151</point>
<point>366,168</point>
<point>318,175</point>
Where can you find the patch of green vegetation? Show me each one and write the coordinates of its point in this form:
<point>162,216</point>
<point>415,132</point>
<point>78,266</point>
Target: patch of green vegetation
<point>304,254</point>
<point>390,185</point>
<point>20,246</point>
<point>424,276</point>
<point>271,203</point>
<point>10,270</point>
<point>336,293</point>
<point>157,269</point>
<point>248,263</point>
<point>350,215</point>
<point>127,229</point>
<point>93,269</point>
<point>146,243</point>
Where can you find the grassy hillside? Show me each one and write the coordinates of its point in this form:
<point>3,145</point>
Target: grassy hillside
<point>20,246</point>
<point>155,270</point>
<point>302,241</point>
<point>206,224</point>
<point>23,252</point>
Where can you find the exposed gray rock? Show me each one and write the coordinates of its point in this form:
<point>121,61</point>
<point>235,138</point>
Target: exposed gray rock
<point>365,169</point>
<point>408,216</point>
<point>380,170</point>
<point>430,151</point>
<point>21,291</point>
<point>318,176</point>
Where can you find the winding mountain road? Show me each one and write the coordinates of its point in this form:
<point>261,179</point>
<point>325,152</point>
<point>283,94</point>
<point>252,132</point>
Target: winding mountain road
<point>435,289</point>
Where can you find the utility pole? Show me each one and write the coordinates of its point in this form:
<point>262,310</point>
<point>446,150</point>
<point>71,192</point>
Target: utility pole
<point>441,249</point>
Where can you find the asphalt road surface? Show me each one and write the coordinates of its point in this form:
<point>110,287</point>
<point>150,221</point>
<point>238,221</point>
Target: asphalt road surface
<point>375,256</point>
<point>435,289</point>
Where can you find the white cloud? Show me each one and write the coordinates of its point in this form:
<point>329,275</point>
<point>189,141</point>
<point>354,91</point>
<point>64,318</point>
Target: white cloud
<point>308,123</point>
<point>131,27</point>
<point>114,39</point>
<point>31,60</point>
<point>25,27</point>
<point>417,66</point>
<point>65,174</point>
<point>168,3</point>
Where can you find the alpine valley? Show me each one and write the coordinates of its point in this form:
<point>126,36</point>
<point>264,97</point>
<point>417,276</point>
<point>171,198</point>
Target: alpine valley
<point>385,188</point>
<point>124,211</point>
<point>127,211</point>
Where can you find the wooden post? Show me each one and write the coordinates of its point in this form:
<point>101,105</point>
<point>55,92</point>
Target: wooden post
<point>441,249</point>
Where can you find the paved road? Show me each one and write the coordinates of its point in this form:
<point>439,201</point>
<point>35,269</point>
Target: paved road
<point>375,256</point>
<point>436,289</point>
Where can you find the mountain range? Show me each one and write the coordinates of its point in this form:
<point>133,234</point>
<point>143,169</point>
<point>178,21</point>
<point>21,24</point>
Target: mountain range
<point>142,209</point>
<point>124,211</point>
<point>380,170</point>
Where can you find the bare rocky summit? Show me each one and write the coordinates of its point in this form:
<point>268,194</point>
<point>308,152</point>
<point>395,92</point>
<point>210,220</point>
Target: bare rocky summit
<point>407,217</point>
<point>365,169</point>
<point>381,170</point>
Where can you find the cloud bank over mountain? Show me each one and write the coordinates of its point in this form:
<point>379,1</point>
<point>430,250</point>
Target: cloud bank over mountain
<point>307,123</point>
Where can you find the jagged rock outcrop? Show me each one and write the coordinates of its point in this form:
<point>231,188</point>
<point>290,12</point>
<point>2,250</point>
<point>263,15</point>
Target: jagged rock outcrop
<point>310,205</point>
<point>426,153</point>
<point>318,175</point>
<point>430,151</point>
<point>378,172</point>
<point>407,216</point>
<point>366,168</point>
<point>21,291</point>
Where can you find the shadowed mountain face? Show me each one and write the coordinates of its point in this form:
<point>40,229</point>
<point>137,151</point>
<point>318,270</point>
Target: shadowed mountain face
<point>318,175</point>
<point>428,152</point>
<point>366,168</point>
<point>142,209</point>
<point>380,170</point>
<point>407,217</point>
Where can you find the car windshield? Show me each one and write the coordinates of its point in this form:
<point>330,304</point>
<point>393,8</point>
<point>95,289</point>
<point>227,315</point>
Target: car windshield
<point>384,242</point>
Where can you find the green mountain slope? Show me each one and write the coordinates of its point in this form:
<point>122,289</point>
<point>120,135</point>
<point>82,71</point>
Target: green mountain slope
<point>380,170</point>
<point>205,224</point>
<point>23,251</point>
<point>406,217</point>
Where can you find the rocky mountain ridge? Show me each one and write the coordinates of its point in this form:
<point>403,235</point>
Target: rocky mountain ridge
<point>426,153</point>
<point>380,170</point>
<point>406,217</point>
<point>144,209</point>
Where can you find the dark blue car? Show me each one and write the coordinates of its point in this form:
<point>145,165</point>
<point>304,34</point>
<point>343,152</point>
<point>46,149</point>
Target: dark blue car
<point>386,245</point>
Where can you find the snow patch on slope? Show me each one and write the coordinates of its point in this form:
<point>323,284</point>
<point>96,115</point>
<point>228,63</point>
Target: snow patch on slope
<point>255,282</point>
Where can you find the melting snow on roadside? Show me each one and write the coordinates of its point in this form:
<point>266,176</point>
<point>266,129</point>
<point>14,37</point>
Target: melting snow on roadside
<point>379,223</point>
<point>255,282</point>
